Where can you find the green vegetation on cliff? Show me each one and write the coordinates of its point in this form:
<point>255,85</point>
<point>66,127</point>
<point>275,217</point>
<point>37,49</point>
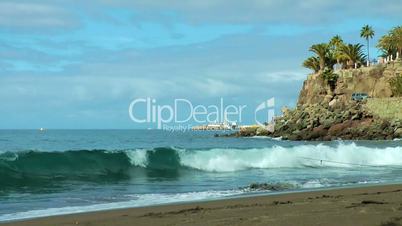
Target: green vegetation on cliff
<point>396,85</point>
<point>386,108</point>
<point>330,77</point>
<point>380,80</point>
<point>325,109</point>
<point>335,52</point>
<point>351,55</point>
<point>391,43</point>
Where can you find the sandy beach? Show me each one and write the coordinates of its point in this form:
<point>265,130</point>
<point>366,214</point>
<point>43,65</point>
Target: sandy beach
<point>374,205</point>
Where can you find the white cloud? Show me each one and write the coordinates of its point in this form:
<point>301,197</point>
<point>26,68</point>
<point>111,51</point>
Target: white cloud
<point>248,66</point>
<point>30,14</point>
<point>282,76</point>
<point>68,13</point>
<point>284,11</point>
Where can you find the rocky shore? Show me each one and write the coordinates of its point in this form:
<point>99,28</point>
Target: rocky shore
<point>327,112</point>
<point>354,122</point>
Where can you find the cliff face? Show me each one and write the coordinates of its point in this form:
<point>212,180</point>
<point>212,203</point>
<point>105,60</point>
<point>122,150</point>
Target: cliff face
<point>323,113</point>
<point>374,81</point>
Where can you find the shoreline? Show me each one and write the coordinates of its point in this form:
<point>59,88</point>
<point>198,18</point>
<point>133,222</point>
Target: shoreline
<point>363,205</point>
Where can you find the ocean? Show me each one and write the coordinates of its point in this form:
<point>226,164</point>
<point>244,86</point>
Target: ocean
<point>52,172</point>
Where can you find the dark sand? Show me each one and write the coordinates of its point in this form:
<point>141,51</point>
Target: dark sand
<point>376,205</point>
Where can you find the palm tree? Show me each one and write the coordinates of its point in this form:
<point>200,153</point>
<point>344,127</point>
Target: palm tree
<point>312,63</point>
<point>353,53</point>
<point>386,46</point>
<point>396,39</point>
<point>336,43</point>
<point>367,32</point>
<point>330,60</point>
<point>321,50</point>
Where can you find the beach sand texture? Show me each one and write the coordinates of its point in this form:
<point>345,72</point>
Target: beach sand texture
<point>375,205</point>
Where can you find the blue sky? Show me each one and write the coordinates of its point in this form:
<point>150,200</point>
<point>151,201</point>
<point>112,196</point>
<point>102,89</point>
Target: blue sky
<point>78,64</point>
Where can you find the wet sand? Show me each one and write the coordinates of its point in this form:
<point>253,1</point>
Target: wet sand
<point>375,205</point>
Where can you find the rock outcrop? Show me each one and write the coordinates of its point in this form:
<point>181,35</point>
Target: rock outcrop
<point>316,122</point>
<point>373,80</point>
<point>328,113</point>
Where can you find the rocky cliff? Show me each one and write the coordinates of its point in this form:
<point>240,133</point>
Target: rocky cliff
<point>327,112</point>
<point>375,81</point>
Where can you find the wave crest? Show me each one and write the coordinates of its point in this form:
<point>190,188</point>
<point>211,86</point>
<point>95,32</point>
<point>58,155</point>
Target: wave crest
<point>341,155</point>
<point>17,168</point>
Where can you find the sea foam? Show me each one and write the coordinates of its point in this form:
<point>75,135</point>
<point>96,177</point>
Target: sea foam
<point>309,155</point>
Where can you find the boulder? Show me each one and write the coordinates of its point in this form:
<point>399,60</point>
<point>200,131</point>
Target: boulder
<point>339,128</point>
<point>327,98</point>
<point>327,123</point>
<point>398,133</point>
<point>335,104</point>
<point>261,131</point>
<point>318,133</point>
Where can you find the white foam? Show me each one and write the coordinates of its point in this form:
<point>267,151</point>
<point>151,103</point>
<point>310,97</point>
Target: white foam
<point>8,156</point>
<point>313,184</point>
<point>342,155</point>
<point>138,157</point>
<point>309,155</point>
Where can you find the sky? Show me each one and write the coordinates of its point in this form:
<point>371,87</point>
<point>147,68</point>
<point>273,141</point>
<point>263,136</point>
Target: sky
<point>70,64</point>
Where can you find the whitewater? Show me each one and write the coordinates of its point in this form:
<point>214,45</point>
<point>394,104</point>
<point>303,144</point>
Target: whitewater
<point>62,171</point>
<point>229,159</point>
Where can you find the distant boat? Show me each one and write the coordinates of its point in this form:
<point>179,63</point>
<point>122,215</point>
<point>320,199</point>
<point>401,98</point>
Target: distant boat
<point>41,129</point>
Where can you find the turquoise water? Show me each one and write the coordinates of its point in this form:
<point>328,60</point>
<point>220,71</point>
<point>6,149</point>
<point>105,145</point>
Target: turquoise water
<point>69,171</point>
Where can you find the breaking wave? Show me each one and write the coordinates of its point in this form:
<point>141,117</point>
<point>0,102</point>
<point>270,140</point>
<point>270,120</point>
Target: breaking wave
<point>31,166</point>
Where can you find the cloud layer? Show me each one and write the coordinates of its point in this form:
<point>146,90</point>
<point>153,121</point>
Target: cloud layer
<point>78,64</point>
